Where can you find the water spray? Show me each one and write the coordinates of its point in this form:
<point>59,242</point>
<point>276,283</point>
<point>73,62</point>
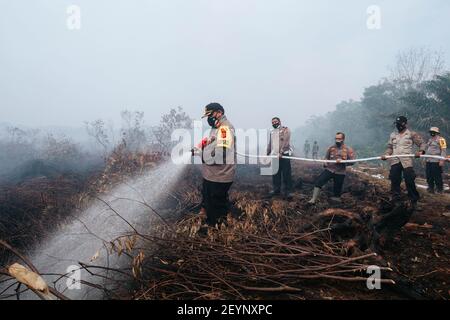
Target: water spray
<point>121,211</point>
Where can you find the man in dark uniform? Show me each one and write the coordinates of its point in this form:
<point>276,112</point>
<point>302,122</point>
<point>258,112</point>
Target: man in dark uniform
<point>280,145</point>
<point>219,164</point>
<point>335,171</point>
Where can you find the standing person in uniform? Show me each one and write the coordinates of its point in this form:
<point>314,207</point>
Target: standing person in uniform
<point>280,145</point>
<point>402,142</point>
<point>336,171</point>
<point>306,148</point>
<point>315,150</point>
<point>436,146</point>
<point>219,164</point>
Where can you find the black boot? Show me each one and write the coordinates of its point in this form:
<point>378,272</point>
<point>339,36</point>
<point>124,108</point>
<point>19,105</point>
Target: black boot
<point>274,193</point>
<point>288,195</point>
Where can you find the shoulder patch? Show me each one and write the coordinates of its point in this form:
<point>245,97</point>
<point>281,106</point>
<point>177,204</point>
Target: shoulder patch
<point>443,143</point>
<point>224,137</point>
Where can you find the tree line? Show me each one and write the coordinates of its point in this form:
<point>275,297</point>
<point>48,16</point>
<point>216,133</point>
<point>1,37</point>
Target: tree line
<point>418,87</point>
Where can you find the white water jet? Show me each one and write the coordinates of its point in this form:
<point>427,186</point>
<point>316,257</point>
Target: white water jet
<point>80,240</point>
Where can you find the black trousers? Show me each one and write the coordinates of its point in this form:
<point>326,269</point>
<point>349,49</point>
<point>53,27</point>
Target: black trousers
<point>285,173</point>
<point>409,175</point>
<point>338,180</point>
<point>215,200</point>
<point>434,176</point>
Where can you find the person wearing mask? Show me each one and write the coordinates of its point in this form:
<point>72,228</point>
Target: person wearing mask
<point>334,171</point>
<point>218,164</point>
<point>280,145</point>
<point>436,146</point>
<point>400,142</point>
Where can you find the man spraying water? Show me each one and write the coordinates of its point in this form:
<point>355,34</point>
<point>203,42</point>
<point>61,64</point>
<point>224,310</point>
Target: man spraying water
<point>219,164</point>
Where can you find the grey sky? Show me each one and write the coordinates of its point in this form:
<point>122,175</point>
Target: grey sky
<point>259,58</point>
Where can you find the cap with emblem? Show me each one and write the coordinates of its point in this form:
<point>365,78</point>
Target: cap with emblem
<point>435,129</point>
<point>212,107</point>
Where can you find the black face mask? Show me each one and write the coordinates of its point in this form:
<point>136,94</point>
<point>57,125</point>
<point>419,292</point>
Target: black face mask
<point>400,126</point>
<point>276,126</point>
<point>212,121</point>
<point>339,143</point>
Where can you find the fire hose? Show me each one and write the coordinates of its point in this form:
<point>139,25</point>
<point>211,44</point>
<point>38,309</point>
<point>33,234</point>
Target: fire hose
<point>342,161</point>
<point>204,142</point>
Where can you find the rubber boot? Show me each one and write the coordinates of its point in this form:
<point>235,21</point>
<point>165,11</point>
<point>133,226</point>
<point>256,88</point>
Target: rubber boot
<point>316,193</point>
<point>336,199</point>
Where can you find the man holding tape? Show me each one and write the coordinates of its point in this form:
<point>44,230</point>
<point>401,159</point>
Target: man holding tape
<point>402,142</point>
<point>280,145</point>
<point>436,146</point>
<point>334,171</point>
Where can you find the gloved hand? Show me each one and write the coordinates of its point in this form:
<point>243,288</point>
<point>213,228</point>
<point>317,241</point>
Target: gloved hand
<point>418,154</point>
<point>200,146</point>
<point>383,157</point>
<point>203,143</point>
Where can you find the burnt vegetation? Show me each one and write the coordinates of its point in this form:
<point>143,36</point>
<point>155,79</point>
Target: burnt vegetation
<point>265,248</point>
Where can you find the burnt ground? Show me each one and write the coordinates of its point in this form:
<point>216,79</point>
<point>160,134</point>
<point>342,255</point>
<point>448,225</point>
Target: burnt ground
<point>418,253</point>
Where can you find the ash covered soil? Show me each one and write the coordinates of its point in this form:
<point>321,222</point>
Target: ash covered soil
<point>413,244</point>
<point>418,253</point>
